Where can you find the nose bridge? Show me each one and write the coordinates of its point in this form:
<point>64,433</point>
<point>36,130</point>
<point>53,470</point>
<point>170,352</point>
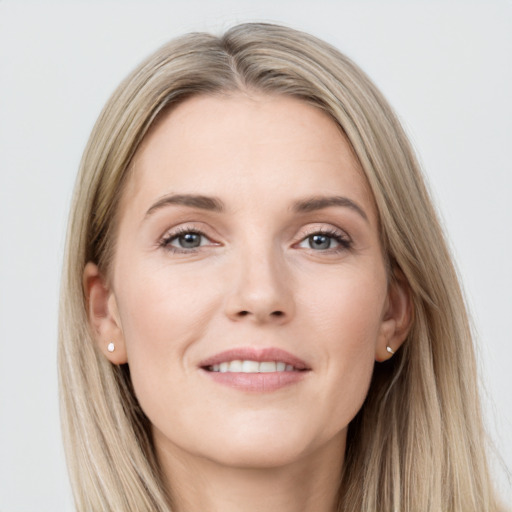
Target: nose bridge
<point>260,285</point>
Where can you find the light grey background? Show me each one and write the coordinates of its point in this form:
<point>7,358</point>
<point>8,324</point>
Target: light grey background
<point>445,66</point>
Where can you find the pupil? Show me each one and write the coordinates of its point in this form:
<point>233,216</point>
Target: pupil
<point>320,242</point>
<point>190,240</point>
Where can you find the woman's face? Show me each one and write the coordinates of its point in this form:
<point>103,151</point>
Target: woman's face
<point>248,294</point>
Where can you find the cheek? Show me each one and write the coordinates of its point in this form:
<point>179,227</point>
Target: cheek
<point>162,315</point>
<point>347,306</point>
<point>348,314</point>
<point>160,304</point>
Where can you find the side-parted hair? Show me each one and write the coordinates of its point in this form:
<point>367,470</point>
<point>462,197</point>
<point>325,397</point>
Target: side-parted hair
<point>417,444</point>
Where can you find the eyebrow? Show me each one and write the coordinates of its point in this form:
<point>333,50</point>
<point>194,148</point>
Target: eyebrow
<point>216,205</point>
<point>193,201</point>
<point>320,202</point>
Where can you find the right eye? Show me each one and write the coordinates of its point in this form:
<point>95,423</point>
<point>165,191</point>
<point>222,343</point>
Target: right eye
<point>185,240</point>
<point>190,240</point>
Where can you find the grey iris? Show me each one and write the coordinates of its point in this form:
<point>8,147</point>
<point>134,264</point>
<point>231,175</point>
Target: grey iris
<point>190,240</point>
<point>319,241</point>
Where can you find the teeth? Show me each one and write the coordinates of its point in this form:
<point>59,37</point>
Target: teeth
<point>267,367</point>
<point>249,366</point>
<point>234,366</point>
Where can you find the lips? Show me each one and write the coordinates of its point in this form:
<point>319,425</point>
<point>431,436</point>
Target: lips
<point>249,366</point>
<point>252,355</point>
<point>255,370</point>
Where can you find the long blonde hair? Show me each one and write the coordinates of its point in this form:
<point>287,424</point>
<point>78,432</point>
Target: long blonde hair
<point>417,443</point>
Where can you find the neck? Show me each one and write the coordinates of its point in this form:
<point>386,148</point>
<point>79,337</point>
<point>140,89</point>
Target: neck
<point>310,484</point>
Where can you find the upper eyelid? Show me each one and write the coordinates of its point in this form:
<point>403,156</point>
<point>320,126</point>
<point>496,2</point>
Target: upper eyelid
<point>324,228</point>
<point>186,227</point>
<point>209,233</point>
<point>172,235</point>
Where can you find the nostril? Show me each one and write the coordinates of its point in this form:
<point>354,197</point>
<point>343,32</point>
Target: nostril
<point>273,314</point>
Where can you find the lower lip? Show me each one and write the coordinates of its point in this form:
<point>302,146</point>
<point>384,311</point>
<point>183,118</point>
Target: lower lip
<point>257,382</point>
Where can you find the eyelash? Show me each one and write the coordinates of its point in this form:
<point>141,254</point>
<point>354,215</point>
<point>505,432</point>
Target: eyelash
<point>165,242</point>
<point>345,243</point>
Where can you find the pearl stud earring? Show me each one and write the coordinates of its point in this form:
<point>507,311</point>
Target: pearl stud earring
<point>390,350</point>
<point>111,347</point>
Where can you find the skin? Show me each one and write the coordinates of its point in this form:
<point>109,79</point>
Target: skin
<point>256,280</point>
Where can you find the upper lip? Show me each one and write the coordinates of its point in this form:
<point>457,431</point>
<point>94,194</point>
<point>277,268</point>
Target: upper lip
<point>255,354</point>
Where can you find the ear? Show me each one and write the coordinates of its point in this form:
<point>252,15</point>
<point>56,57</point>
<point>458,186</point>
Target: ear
<point>103,315</point>
<point>397,318</point>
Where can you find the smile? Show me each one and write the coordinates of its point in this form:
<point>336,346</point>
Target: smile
<point>255,370</point>
<point>249,366</point>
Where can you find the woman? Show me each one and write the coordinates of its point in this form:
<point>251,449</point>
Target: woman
<point>259,311</point>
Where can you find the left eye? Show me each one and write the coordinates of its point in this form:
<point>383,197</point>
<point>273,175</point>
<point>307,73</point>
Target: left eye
<point>322,242</point>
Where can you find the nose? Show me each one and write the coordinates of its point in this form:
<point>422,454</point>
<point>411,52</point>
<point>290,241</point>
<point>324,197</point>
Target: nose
<point>260,289</point>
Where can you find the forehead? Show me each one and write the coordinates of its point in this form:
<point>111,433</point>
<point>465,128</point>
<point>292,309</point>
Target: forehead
<point>253,145</point>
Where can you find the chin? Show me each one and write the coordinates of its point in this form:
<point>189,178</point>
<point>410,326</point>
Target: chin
<point>253,437</point>
<point>269,446</point>
<point>256,455</point>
